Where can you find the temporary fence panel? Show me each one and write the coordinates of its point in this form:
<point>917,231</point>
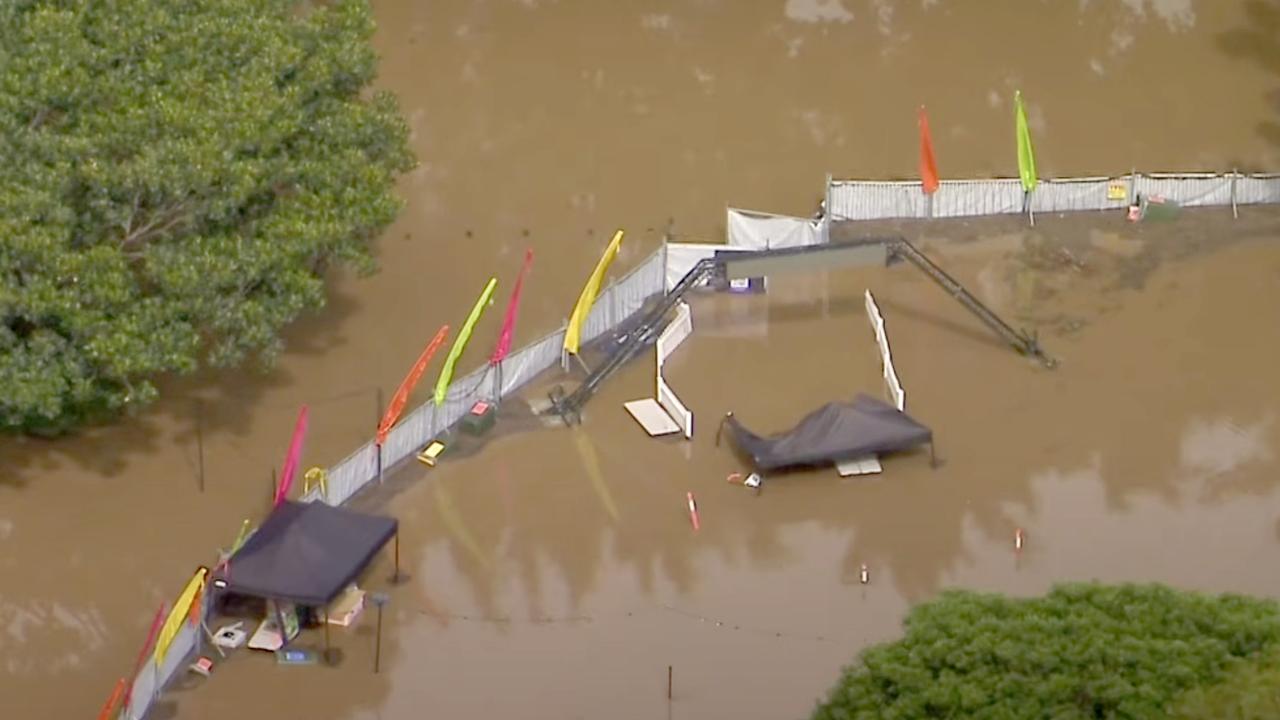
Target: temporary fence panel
<point>347,477</point>
<point>144,691</point>
<point>1080,194</point>
<point>891,382</point>
<point>671,338</point>
<point>967,198</point>
<point>525,364</point>
<point>623,298</point>
<point>1256,189</point>
<point>676,409</point>
<point>872,200</point>
<point>1200,190</point>
<point>681,257</point>
<point>764,231</point>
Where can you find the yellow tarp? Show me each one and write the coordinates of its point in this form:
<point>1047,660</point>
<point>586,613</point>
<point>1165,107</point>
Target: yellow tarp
<point>573,336</point>
<point>178,615</point>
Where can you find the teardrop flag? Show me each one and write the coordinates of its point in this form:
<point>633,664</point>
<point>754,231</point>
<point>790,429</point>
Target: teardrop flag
<point>503,348</point>
<point>928,163</point>
<point>406,386</point>
<point>179,613</point>
<point>460,342</point>
<point>291,460</point>
<point>1026,155</point>
<point>573,334</point>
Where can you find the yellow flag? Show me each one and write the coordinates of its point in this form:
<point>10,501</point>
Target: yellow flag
<point>178,614</point>
<point>573,336</point>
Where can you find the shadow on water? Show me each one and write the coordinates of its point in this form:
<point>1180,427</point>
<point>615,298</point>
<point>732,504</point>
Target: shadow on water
<point>1259,42</point>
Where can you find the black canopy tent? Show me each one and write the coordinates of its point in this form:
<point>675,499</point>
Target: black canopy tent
<point>834,432</point>
<point>307,553</point>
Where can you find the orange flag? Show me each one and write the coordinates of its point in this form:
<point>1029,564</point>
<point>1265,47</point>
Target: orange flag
<point>406,387</point>
<point>928,164</point>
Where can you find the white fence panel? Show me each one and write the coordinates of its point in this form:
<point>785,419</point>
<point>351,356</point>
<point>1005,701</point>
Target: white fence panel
<point>1079,194</point>
<point>1188,190</point>
<point>892,384</point>
<point>523,365</point>
<point>869,200</point>
<point>143,692</point>
<point>348,476</point>
<point>679,329</point>
<point>622,299</point>
<point>1257,189</point>
<point>967,198</point>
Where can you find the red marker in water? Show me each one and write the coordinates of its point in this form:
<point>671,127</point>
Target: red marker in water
<point>693,510</point>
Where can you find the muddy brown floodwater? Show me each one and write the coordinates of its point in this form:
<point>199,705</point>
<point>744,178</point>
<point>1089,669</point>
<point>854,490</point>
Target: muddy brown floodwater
<point>543,588</point>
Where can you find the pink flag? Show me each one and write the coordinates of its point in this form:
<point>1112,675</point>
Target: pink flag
<point>291,460</point>
<point>513,306</point>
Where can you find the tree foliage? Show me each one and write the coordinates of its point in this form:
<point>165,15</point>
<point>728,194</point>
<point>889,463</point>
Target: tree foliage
<point>1083,651</point>
<point>175,177</point>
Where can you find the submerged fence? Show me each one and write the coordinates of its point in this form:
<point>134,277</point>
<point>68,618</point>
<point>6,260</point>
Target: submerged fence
<point>615,304</point>
<point>883,200</point>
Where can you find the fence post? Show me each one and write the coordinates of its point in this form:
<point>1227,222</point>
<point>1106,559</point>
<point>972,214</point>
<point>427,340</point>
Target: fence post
<point>1235,210</point>
<point>377,420</point>
<point>826,212</point>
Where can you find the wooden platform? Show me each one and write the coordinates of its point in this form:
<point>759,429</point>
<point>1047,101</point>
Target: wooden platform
<point>651,417</point>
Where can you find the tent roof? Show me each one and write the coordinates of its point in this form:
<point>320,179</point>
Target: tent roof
<point>307,552</point>
<point>836,431</point>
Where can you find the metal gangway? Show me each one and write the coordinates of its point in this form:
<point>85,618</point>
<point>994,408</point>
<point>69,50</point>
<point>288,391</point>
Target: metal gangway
<point>740,265</point>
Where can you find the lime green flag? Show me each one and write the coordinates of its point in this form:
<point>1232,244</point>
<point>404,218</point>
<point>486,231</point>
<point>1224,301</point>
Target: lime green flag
<point>1026,156</point>
<point>460,343</point>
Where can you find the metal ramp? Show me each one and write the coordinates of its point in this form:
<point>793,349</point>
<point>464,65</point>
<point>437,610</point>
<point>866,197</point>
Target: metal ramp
<point>867,251</point>
<point>1023,342</point>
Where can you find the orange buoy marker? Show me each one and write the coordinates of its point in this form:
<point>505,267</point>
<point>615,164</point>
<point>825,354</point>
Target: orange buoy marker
<point>1017,540</point>
<point>863,576</point>
<point>693,510</point>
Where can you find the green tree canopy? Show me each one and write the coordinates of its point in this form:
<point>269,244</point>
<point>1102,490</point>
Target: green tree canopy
<point>175,177</point>
<point>1083,651</point>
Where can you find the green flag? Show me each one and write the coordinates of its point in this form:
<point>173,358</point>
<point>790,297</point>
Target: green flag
<point>460,343</point>
<point>1026,156</point>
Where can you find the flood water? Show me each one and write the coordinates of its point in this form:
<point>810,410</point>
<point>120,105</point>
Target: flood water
<point>542,588</point>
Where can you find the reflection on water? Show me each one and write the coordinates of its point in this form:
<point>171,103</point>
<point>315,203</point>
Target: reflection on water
<point>43,639</point>
<point>1218,446</point>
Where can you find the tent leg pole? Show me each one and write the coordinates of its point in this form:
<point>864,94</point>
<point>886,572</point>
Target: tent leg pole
<point>396,578</point>
<point>328,657</point>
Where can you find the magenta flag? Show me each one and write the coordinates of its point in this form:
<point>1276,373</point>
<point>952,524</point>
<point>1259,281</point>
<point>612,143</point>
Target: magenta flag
<point>503,347</point>
<point>291,460</point>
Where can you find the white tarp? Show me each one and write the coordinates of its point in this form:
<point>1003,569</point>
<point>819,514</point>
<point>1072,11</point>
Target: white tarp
<point>670,339</point>
<point>763,231</point>
<point>896,395</point>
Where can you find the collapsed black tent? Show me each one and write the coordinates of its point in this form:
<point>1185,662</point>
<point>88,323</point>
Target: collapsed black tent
<point>834,432</point>
<point>307,553</point>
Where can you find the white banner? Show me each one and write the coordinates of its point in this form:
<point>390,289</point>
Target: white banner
<point>762,231</point>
